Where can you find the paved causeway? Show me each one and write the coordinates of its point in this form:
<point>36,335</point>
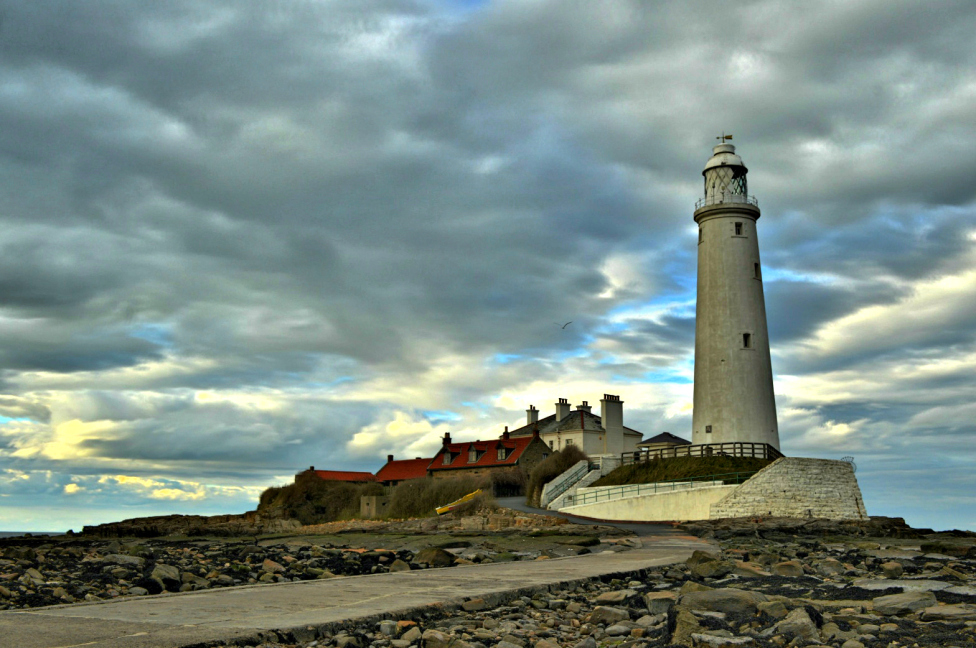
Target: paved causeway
<point>192,618</point>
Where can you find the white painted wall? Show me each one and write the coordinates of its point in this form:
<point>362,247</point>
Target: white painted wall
<point>682,505</point>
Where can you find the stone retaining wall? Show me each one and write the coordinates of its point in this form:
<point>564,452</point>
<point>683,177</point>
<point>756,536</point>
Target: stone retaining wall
<point>798,488</point>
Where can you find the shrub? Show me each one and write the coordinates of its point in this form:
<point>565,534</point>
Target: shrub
<point>421,497</point>
<point>312,500</point>
<point>554,465</point>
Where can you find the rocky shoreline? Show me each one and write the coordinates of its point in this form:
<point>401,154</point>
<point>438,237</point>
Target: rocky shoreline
<point>40,571</point>
<point>771,584</point>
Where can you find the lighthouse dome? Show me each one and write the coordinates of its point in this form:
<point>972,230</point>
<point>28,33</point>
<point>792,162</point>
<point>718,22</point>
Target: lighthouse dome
<point>723,155</point>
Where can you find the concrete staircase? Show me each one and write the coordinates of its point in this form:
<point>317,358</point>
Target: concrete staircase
<point>560,501</point>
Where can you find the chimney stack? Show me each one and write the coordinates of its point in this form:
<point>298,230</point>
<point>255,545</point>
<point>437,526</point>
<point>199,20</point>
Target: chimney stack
<point>562,409</point>
<point>612,417</point>
<point>531,415</point>
<point>389,458</point>
<point>447,438</point>
<point>585,406</point>
<point>505,434</point>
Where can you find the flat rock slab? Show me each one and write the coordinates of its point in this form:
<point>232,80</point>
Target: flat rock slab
<point>173,620</point>
<point>907,585</point>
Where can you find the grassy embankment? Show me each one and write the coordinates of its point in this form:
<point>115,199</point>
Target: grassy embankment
<point>311,500</point>
<point>680,468</point>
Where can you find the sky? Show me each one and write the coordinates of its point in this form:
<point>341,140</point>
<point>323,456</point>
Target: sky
<point>241,238</point>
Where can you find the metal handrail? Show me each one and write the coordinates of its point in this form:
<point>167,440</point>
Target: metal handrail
<point>729,448</point>
<point>635,490</point>
<point>572,478</point>
<point>741,199</point>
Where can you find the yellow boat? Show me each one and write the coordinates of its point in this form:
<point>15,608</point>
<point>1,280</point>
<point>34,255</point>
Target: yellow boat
<point>441,510</point>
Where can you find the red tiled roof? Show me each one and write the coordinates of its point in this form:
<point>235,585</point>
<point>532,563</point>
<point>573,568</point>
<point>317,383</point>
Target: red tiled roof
<point>516,447</point>
<point>403,469</point>
<point>345,475</point>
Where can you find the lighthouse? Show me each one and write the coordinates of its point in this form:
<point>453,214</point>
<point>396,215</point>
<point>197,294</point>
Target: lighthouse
<point>733,377</point>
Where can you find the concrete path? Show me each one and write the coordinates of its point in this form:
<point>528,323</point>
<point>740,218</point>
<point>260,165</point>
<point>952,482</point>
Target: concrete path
<point>195,618</point>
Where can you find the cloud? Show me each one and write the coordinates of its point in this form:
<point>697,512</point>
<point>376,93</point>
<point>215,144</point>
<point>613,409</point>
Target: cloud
<point>238,239</point>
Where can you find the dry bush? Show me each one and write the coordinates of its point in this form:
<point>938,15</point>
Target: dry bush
<point>554,465</point>
<point>420,497</point>
<point>312,500</point>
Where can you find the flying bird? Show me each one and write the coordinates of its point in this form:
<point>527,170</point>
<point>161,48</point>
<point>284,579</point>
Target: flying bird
<point>566,324</point>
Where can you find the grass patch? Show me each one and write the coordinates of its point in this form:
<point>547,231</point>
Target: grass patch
<point>554,465</point>
<point>659,470</point>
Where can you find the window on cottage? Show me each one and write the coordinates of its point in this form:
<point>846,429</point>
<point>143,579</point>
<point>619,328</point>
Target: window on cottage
<point>569,442</point>
<point>738,229</point>
<point>747,340</point>
<point>502,454</point>
<point>756,272</point>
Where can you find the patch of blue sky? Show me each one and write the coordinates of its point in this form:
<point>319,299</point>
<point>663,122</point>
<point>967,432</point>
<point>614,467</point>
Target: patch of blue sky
<point>669,376</point>
<point>14,419</point>
<point>783,274</point>
<point>462,5</point>
<point>158,333</point>
<point>441,416</point>
<point>505,358</point>
<point>318,384</point>
<point>676,305</point>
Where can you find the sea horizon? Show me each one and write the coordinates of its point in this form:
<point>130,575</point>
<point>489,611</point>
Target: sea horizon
<point>15,534</point>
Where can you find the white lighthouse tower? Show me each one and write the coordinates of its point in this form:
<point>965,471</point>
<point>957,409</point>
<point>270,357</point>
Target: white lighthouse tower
<point>733,378</point>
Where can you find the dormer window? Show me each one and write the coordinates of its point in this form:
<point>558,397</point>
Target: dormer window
<point>449,457</point>
<point>474,455</point>
<point>502,454</point>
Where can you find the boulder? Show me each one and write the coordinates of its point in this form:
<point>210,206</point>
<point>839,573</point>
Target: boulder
<point>122,559</point>
<point>790,568</point>
<point>958,612</point>
<point>749,570</point>
<point>727,600</point>
<point>435,557</point>
<point>831,567</point>
<point>798,625</point>
<point>399,566</point>
<point>892,569</point>
<point>272,567</point>
<point>775,609</point>
<point>437,639</point>
<point>167,576</point>
<point>606,615</point>
<point>659,602</point>
<point>411,635</point>
<point>684,624</point>
<point>904,603</point>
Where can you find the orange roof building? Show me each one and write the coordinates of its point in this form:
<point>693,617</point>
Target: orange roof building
<point>396,471</point>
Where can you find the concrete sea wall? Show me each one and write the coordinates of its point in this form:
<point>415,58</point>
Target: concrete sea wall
<point>688,504</point>
<point>796,487</point>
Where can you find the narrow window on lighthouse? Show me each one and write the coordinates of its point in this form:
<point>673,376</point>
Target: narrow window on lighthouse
<point>747,340</point>
<point>755,270</point>
<point>700,235</point>
<point>738,229</point>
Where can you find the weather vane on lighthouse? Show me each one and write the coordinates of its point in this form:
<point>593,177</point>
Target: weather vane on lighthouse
<point>723,137</point>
